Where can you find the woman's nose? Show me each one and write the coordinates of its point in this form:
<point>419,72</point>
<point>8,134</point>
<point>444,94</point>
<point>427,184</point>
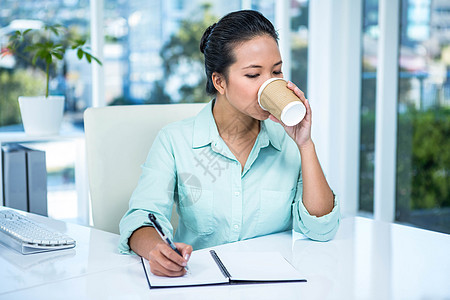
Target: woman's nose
<point>270,76</point>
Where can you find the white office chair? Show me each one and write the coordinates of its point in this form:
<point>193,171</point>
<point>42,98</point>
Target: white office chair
<point>118,139</point>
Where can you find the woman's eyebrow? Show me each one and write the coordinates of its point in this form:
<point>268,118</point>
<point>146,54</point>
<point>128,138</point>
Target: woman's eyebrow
<point>258,66</point>
<point>252,66</point>
<point>278,63</point>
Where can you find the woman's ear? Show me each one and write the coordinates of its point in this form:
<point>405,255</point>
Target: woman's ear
<point>219,82</point>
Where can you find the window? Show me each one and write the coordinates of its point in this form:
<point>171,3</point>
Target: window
<point>368,100</point>
<point>423,156</point>
<point>18,78</point>
<point>299,43</point>
<point>151,50</point>
<point>422,105</point>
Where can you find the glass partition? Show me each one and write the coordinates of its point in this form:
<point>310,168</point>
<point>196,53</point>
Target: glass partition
<point>152,50</point>
<point>370,33</point>
<point>299,44</point>
<point>423,143</point>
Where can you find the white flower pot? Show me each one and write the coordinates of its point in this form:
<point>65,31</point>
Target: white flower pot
<point>41,115</point>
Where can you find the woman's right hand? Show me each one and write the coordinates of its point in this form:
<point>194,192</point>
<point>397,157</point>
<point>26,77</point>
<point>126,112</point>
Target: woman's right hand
<point>166,262</point>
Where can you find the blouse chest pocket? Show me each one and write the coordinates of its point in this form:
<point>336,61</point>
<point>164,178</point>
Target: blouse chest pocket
<point>196,209</point>
<point>275,212</point>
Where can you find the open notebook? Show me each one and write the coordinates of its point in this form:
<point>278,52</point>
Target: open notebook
<point>209,267</point>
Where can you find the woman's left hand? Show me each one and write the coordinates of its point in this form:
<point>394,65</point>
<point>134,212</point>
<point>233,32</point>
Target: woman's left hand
<point>300,133</point>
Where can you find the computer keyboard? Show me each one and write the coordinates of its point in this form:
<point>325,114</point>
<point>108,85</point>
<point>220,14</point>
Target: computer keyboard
<point>28,236</point>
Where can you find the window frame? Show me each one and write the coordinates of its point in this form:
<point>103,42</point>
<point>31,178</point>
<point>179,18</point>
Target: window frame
<point>386,111</point>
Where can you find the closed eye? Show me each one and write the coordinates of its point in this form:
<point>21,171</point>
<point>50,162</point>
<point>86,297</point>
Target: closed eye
<point>252,75</point>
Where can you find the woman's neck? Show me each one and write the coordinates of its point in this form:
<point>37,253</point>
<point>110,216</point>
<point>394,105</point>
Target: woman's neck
<point>238,130</point>
<point>233,124</point>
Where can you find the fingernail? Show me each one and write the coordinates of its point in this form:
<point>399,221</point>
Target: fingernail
<point>186,257</point>
<point>184,264</point>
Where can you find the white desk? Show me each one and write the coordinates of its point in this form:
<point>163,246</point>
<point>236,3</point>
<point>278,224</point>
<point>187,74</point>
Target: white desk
<point>366,260</point>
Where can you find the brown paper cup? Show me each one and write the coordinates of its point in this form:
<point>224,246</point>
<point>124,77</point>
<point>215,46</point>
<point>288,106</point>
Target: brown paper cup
<point>275,97</point>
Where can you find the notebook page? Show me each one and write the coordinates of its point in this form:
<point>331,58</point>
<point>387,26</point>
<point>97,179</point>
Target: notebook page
<point>258,266</point>
<point>203,270</point>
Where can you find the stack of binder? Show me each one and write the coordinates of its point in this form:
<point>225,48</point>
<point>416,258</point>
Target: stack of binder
<point>24,178</point>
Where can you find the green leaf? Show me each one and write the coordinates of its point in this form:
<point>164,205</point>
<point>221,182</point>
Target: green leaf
<point>54,28</point>
<point>88,57</point>
<point>41,53</point>
<point>58,55</point>
<point>80,54</point>
<point>33,62</point>
<point>48,59</point>
<point>97,60</point>
<point>14,37</point>
<point>30,48</point>
<point>59,48</point>
<point>80,42</point>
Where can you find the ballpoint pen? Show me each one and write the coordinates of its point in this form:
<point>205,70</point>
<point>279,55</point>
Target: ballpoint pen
<point>165,238</point>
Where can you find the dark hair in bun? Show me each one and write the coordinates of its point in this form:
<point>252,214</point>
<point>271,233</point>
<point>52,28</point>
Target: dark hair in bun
<point>219,39</point>
<point>205,37</point>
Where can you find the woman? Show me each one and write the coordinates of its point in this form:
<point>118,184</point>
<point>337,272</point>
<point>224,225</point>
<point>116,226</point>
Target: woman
<point>233,173</point>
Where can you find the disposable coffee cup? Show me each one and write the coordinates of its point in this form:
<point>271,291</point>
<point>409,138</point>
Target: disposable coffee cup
<point>275,97</point>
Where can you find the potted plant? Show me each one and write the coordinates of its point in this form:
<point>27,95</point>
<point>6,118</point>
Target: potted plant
<point>44,48</point>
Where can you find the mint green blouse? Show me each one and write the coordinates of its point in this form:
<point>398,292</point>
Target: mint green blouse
<point>190,165</point>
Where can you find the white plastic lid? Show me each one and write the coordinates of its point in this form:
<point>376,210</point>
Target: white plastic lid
<point>293,113</point>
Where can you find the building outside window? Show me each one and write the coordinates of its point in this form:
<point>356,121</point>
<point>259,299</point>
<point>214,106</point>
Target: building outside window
<point>423,143</point>
<point>299,44</point>
<point>423,125</point>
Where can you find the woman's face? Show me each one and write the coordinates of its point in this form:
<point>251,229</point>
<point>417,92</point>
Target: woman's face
<point>256,61</point>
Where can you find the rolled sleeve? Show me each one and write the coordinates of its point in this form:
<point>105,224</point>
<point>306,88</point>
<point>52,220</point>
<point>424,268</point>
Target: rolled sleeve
<point>322,228</point>
<point>129,223</point>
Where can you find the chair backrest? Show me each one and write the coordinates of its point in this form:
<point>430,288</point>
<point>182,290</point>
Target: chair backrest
<point>118,139</point>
